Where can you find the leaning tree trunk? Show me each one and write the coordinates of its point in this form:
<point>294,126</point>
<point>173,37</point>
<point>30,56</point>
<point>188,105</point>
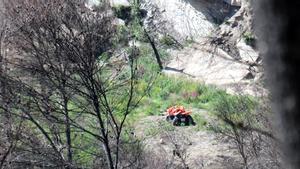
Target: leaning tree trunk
<point>157,56</point>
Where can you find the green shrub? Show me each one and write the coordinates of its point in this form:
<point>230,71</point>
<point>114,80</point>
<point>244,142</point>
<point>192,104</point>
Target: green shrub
<point>200,122</point>
<point>208,95</point>
<point>179,90</point>
<point>131,16</point>
<point>121,36</point>
<point>249,38</point>
<point>137,30</point>
<point>122,12</point>
<point>189,41</point>
<point>164,55</point>
<point>167,41</point>
<point>234,107</point>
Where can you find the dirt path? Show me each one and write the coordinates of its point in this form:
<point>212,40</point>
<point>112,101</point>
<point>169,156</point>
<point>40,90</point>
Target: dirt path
<point>202,149</point>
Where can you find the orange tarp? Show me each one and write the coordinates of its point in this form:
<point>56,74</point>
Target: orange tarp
<point>174,110</point>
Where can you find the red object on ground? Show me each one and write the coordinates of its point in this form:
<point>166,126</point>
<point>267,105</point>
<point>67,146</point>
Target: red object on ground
<point>175,110</point>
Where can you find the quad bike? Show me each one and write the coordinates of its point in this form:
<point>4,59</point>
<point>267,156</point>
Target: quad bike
<point>179,116</point>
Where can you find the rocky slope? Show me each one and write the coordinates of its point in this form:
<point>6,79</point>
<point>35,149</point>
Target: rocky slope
<point>214,66</point>
<point>223,55</point>
<point>185,19</point>
<point>199,149</point>
<point>223,52</point>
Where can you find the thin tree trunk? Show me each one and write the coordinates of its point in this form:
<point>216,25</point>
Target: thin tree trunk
<point>105,143</point>
<point>157,56</point>
<point>3,159</point>
<point>68,131</point>
<point>110,163</point>
<point>151,41</point>
<point>3,92</point>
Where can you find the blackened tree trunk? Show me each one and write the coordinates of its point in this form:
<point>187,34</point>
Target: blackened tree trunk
<point>156,53</point>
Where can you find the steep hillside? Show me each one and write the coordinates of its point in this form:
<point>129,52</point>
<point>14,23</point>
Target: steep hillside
<point>223,52</point>
<point>133,84</point>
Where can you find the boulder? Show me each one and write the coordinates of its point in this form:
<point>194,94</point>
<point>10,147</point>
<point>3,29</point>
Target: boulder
<point>190,19</point>
<point>247,53</point>
<point>119,3</point>
<point>211,67</point>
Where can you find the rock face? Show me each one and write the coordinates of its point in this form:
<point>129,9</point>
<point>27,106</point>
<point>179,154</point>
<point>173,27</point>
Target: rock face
<point>247,53</point>
<point>215,66</point>
<point>209,66</point>
<point>227,59</point>
<point>238,27</point>
<point>119,3</point>
<point>190,19</point>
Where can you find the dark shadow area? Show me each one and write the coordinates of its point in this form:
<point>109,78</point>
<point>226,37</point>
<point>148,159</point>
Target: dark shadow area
<point>125,13</point>
<point>178,71</point>
<point>173,69</point>
<point>181,120</point>
<point>216,11</point>
<point>278,30</point>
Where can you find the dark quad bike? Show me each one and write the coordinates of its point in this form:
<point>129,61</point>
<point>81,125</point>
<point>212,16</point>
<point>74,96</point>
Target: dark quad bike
<point>181,120</point>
